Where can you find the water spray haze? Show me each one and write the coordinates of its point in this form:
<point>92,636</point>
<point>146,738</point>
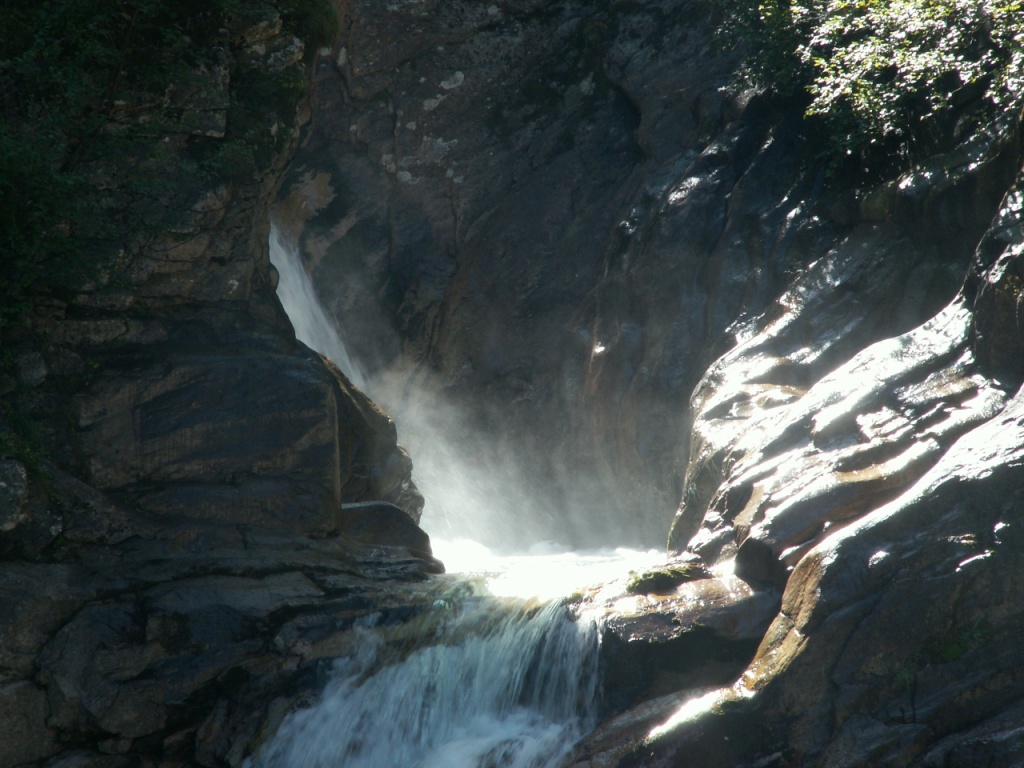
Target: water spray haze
<point>503,682</point>
<point>473,483</point>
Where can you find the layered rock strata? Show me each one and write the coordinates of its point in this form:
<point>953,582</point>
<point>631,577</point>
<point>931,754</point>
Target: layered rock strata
<point>879,505</point>
<point>650,282</point>
<point>192,504</point>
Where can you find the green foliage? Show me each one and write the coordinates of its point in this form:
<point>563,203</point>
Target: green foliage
<point>663,580</point>
<point>772,35</point>
<point>315,22</point>
<point>889,74</point>
<point>19,437</point>
<point>39,204</point>
<point>941,648</point>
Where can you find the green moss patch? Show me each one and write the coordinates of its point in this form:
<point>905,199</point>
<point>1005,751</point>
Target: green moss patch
<point>661,581</point>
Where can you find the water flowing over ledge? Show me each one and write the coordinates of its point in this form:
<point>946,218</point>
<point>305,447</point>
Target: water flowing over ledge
<point>497,683</point>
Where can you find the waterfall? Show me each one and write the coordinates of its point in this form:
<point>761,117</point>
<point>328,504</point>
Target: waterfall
<point>495,682</point>
<point>497,685</point>
<point>312,325</point>
<point>460,483</point>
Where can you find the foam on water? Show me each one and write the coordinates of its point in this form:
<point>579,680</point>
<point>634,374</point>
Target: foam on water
<point>500,684</point>
<point>546,571</point>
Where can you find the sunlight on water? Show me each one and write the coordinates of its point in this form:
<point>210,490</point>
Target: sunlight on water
<point>509,684</point>
<point>546,571</point>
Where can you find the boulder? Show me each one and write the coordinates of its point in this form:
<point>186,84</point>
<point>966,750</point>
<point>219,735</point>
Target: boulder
<point>894,643</point>
<point>701,633</point>
<point>379,524</point>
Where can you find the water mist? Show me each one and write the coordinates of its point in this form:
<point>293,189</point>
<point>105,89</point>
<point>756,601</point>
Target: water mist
<point>504,682</point>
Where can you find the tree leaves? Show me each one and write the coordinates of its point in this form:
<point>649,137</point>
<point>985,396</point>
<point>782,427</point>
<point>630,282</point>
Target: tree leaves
<point>896,75</point>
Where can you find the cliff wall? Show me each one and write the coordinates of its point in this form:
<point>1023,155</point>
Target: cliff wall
<point>652,285</point>
<point>191,501</point>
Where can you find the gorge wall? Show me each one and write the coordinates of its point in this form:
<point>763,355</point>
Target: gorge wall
<point>641,285</point>
<point>563,216</point>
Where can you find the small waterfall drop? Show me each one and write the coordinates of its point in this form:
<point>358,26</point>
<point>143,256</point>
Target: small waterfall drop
<point>495,682</point>
<point>498,685</point>
<point>312,325</point>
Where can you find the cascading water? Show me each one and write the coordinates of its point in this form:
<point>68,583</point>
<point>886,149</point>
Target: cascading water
<point>495,682</point>
<point>496,685</point>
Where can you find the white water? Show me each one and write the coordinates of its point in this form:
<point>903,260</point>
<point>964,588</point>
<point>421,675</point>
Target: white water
<point>312,326</point>
<point>502,681</point>
<point>546,571</point>
<point>500,685</point>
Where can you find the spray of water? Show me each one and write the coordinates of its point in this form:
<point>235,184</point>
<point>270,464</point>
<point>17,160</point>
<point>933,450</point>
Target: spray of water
<point>472,483</point>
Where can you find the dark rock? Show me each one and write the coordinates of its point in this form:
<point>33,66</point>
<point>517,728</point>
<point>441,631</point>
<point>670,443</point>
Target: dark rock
<point>700,632</point>
<point>88,759</point>
<point>382,524</point>
<point>269,440</point>
<point>26,736</point>
<point>483,221</point>
<point>32,369</point>
<point>190,461</point>
<point>998,317</point>
<point>648,284</point>
<point>13,494</point>
<point>37,600</point>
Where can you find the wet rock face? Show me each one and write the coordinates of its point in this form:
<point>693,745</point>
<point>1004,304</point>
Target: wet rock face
<point>896,642</point>
<point>13,494</point>
<point>273,440</point>
<point>557,208</point>
<point>561,209</point>
<point>186,644</point>
<point>173,381</point>
<point>880,500</point>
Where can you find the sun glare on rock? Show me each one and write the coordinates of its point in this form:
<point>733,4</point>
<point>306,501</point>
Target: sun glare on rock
<point>545,571</point>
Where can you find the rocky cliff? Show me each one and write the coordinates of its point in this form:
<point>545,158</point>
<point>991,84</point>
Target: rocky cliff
<point>191,502</point>
<point>568,214</point>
